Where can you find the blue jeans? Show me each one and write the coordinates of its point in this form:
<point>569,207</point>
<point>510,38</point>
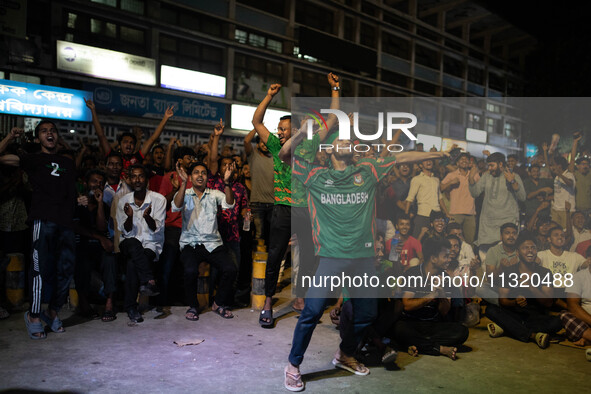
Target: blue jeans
<point>365,310</point>
<point>54,256</point>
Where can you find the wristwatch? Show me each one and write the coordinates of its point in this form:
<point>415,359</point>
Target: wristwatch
<point>336,88</point>
<point>513,181</point>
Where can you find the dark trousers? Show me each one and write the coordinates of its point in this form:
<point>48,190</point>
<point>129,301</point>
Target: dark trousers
<point>167,263</point>
<point>521,325</point>
<point>244,280</point>
<point>302,227</point>
<point>219,259</point>
<point>418,224</point>
<point>91,256</point>
<point>389,312</point>
<point>262,214</point>
<point>53,265</point>
<point>280,235</point>
<point>139,269</point>
<point>428,336</point>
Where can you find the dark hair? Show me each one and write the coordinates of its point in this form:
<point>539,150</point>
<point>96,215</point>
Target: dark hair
<point>513,156</point>
<point>181,152</point>
<point>92,172</point>
<point>588,252</point>
<point>159,146</point>
<point>509,225</point>
<point>463,154</point>
<point>436,215</point>
<point>454,226</point>
<point>138,167</point>
<point>561,161</point>
<point>196,164</point>
<point>43,121</point>
<point>572,215</point>
<point>583,158</point>
<point>539,167</point>
<point>554,228</point>
<point>496,157</point>
<point>127,134</point>
<point>453,236</point>
<point>222,159</point>
<point>285,117</point>
<point>525,236</point>
<point>114,154</point>
<point>434,246</point>
<point>403,216</point>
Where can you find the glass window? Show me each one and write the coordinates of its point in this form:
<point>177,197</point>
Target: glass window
<point>135,6</point>
<point>274,45</point>
<point>132,35</point>
<point>72,20</point>
<point>256,41</point>
<point>241,36</point>
<point>491,125</point>
<point>110,3</point>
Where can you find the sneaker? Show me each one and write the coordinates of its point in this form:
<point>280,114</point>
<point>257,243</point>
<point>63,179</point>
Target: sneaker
<point>149,290</point>
<point>134,315</point>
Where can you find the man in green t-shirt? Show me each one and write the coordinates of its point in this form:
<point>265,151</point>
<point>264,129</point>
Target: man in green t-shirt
<point>341,200</point>
<point>289,200</point>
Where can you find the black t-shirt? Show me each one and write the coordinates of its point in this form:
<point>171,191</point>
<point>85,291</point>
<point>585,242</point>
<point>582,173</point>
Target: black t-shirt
<point>86,218</point>
<point>430,311</point>
<point>53,179</point>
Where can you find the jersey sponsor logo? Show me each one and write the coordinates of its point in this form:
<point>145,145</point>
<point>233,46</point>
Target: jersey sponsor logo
<point>358,180</point>
<point>344,199</point>
<point>329,183</point>
<point>368,244</point>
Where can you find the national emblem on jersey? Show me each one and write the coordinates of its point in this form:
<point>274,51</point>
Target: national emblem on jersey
<point>358,180</point>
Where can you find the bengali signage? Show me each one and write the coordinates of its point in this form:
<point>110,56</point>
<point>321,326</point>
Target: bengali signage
<point>104,63</point>
<point>40,101</point>
<point>144,104</point>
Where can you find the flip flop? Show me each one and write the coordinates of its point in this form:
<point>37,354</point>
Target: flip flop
<point>494,330</point>
<point>390,356</point>
<point>266,315</point>
<point>223,312</point>
<point>194,312</point>
<point>108,316</point>
<point>353,366</point>
<point>542,340</point>
<point>296,377</point>
<point>55,325</point>
<point>588,354</point>
<point>34,328</point>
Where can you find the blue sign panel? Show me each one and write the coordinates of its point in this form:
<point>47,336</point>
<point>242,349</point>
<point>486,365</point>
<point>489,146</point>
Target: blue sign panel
<point>140,103</point>
<point>40,101</point>
<point>531,150</point>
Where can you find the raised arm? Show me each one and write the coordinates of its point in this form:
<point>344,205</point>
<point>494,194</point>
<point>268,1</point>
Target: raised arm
<point>179,198</point>
<point>10,160</point>
<point>169,156</point>
<point>413,157</point>
<point>104,143</point>
<point>150,141</point>
<point>259,114</point>
<point>335,89</point>
<point>228,176</point>
<point>573,153</point>
<point>212,162</point>
<point>248,142</point>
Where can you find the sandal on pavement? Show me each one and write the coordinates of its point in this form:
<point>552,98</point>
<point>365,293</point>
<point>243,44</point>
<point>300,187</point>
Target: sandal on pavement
<point>389,356</point>
<point>542,340</point>
<point>494,330</point>
<point>34,328</point>
<point>191,314</point>
<point>224,312</point>
<point>55,325</point>
<point>266,315</point>
<point>351,365</point>
<point>109,316</point>
<point>297,378</point>
<point>588,354</point>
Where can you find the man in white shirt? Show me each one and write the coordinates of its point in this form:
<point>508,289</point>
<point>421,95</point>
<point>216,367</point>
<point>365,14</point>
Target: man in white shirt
<point>140,219</point>
<point>579,232</point>
<point>560,262</point>
<point>425,189</point>
<point>564,190</point>
<point>200,239</point>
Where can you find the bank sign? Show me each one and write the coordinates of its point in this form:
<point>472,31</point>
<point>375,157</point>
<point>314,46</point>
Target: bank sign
<point>41,101</point>
<point>115,100</point>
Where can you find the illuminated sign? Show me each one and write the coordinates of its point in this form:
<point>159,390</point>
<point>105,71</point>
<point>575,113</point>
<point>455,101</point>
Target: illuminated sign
<point>103,63</point>
<point>242,117</point>
<point>531,150</point>
<point>476,135</point>
<point>115,100</point>
<point>429,141</point>
<point>192,81</point>
<point>40,101</point>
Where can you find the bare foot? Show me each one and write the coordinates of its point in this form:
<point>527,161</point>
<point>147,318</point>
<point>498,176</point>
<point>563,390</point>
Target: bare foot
<point>448,352</point>
<point>413,351</point>
<point>298,304</point>
<point>580,342</point>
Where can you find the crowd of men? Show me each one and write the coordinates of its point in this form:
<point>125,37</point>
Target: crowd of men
<point>157,214</point>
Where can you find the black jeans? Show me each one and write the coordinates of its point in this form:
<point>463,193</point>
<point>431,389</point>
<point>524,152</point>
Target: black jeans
<point>219,259</point>
<point>139,269</point>
<point>91,256</point>
<point>167,263</point>
<point>280,235</point>
<point>262,214</point>
<point>428,336</point>
<point>520,325</point>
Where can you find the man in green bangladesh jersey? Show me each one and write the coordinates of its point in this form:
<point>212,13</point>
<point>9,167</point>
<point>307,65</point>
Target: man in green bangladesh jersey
<point>341,200</point>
